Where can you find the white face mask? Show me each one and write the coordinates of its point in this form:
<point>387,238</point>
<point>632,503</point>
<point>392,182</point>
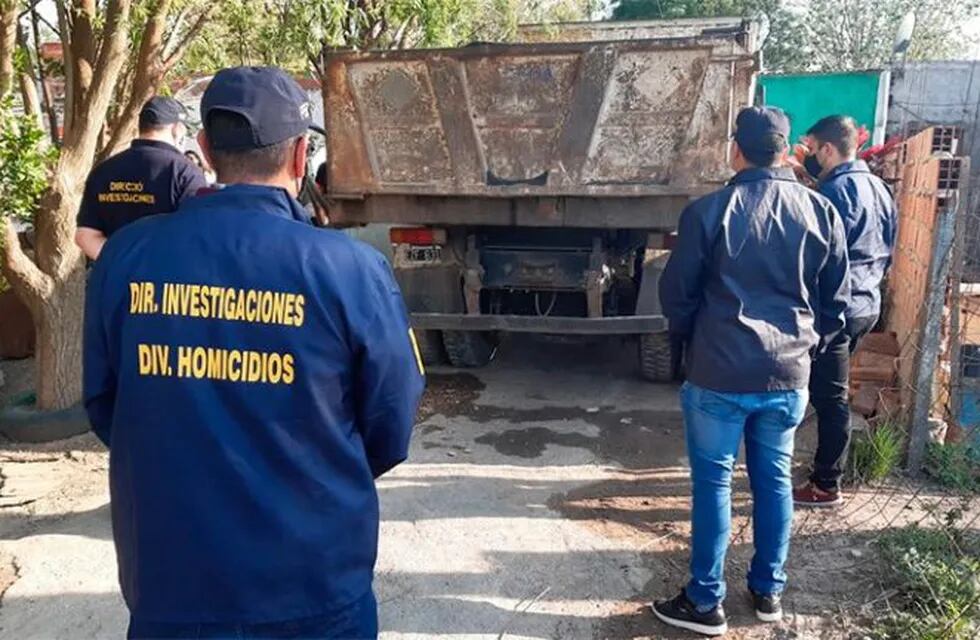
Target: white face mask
<point>179,135</point>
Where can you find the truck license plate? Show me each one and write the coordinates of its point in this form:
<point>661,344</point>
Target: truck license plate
<point>425,255</point>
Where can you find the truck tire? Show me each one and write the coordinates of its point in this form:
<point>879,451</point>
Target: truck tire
<point>27,424</point>
<point>469,349</point>
<point>430,347</point>
<point>656,363</point>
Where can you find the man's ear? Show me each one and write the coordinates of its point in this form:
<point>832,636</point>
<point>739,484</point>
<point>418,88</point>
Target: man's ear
<point>737,160</point>
<point>299,157</point>
<point>202,141</point>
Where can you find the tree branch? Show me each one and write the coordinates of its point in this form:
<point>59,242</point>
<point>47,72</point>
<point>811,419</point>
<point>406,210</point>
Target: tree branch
<point>28,9</point>
<point>173,36</point>
<point>316,64</point>
<point>28,78</point>
<point>45,89</point>
<point>31,284</point>
<point>188,38</point>
<point>55,30</point>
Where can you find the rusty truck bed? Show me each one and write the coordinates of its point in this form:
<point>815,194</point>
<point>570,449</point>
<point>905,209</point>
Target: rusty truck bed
<point>542,134</point>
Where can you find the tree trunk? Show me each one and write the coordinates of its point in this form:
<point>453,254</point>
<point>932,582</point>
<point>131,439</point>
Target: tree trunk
<point>58,323</point>
<point>52,282</point>
<point>52,285</point>
<point>8,40</point>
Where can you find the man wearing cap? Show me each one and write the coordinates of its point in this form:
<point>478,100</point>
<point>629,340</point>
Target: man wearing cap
<point>150,177</point>
<point>755,286</point>
<point>252,376</point>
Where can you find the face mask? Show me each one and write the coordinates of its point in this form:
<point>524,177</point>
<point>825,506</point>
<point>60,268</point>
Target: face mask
<point>812,165</point>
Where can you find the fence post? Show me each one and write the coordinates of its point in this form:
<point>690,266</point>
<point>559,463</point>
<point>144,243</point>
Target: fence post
<point>961,245</point>
<point>925,369</point>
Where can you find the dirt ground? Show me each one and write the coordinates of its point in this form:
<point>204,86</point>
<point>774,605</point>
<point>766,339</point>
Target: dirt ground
<point>545,497</point>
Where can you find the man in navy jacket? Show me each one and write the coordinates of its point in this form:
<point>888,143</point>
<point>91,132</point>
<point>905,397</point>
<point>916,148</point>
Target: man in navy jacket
<point>755,286</point>
<point>867,209</point>
<point>252,375</point>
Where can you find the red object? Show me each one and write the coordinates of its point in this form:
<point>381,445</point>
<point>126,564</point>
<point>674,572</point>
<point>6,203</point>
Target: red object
<point>417,235</point>
<point>809,495</point>
<point>52,50</point>
<point>881,149</point>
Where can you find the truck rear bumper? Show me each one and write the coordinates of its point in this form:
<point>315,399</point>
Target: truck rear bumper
<point>538,324</point>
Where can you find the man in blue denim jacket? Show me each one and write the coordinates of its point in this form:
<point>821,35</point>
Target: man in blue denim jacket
<point>755,287</point>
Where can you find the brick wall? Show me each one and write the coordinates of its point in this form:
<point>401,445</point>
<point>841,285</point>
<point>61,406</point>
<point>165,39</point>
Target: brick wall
<point>929,177</point>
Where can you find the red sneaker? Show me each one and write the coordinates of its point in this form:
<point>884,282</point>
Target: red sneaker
<point>810,495</point>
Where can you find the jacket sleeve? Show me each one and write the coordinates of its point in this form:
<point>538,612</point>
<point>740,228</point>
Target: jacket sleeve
<point>682,280</point>
<point>189,180</point>
<point>891,233</point>
<point>834,288</point>
<point>98,375</point>
<point>389,372</point>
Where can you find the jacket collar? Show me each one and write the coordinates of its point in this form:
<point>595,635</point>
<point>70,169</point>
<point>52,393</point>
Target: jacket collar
<point>270,200</point>
<point>763,173</point>
<point>155,144</point>
<point>856,166</point>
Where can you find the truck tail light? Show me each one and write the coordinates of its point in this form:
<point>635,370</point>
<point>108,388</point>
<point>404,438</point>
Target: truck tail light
<point>417,236</point>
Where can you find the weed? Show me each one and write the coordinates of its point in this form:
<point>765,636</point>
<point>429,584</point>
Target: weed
<point>955,465</point>
<point>935,574</point>
<point>876,453</point>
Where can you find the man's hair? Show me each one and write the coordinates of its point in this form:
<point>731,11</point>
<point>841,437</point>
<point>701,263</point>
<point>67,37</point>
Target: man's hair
<point>840,131</point>
<point>764,156</point>
<point>151,127</point>
<point>242,164</point>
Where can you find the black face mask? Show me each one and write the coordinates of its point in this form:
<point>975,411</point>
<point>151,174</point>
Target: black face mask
<point>812,165</point>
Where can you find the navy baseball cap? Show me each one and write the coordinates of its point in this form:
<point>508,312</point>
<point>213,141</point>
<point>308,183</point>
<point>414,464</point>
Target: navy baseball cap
<point>160,111</point>
<point>762,129</point>
<point>267,98</point>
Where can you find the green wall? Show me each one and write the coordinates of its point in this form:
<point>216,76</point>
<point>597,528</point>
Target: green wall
<point>808,97</point>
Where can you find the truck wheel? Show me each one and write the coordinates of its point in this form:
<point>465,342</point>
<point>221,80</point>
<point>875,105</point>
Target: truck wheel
<point>656,364</point>
<point>430,347</point>
<point>469,349</point>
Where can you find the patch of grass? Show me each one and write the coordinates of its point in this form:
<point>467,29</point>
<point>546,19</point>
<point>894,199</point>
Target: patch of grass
<point>936,576</point>
<point>955,465</point>
<point>876,453</point>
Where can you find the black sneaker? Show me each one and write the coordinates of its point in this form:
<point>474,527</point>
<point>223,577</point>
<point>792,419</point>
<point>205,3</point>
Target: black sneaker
<point>681,612</point>
<point>768,608</point>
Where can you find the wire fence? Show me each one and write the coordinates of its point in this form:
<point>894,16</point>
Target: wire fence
<point>916,381</point>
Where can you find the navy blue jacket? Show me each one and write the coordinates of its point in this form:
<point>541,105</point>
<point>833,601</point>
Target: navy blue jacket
<point>148,178</point>
<point>252,375</point>
<point>867,208</point>
<point>758,278</point>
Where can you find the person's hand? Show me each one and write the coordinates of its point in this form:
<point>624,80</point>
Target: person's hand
<point>800,171</point>
<point>795,160</point>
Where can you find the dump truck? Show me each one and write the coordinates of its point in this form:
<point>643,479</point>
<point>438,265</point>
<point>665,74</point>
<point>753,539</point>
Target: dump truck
<point>536,186</point>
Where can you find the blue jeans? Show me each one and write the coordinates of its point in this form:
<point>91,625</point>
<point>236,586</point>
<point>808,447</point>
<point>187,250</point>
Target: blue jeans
<point>714,423</point>
<point>358,621</point>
